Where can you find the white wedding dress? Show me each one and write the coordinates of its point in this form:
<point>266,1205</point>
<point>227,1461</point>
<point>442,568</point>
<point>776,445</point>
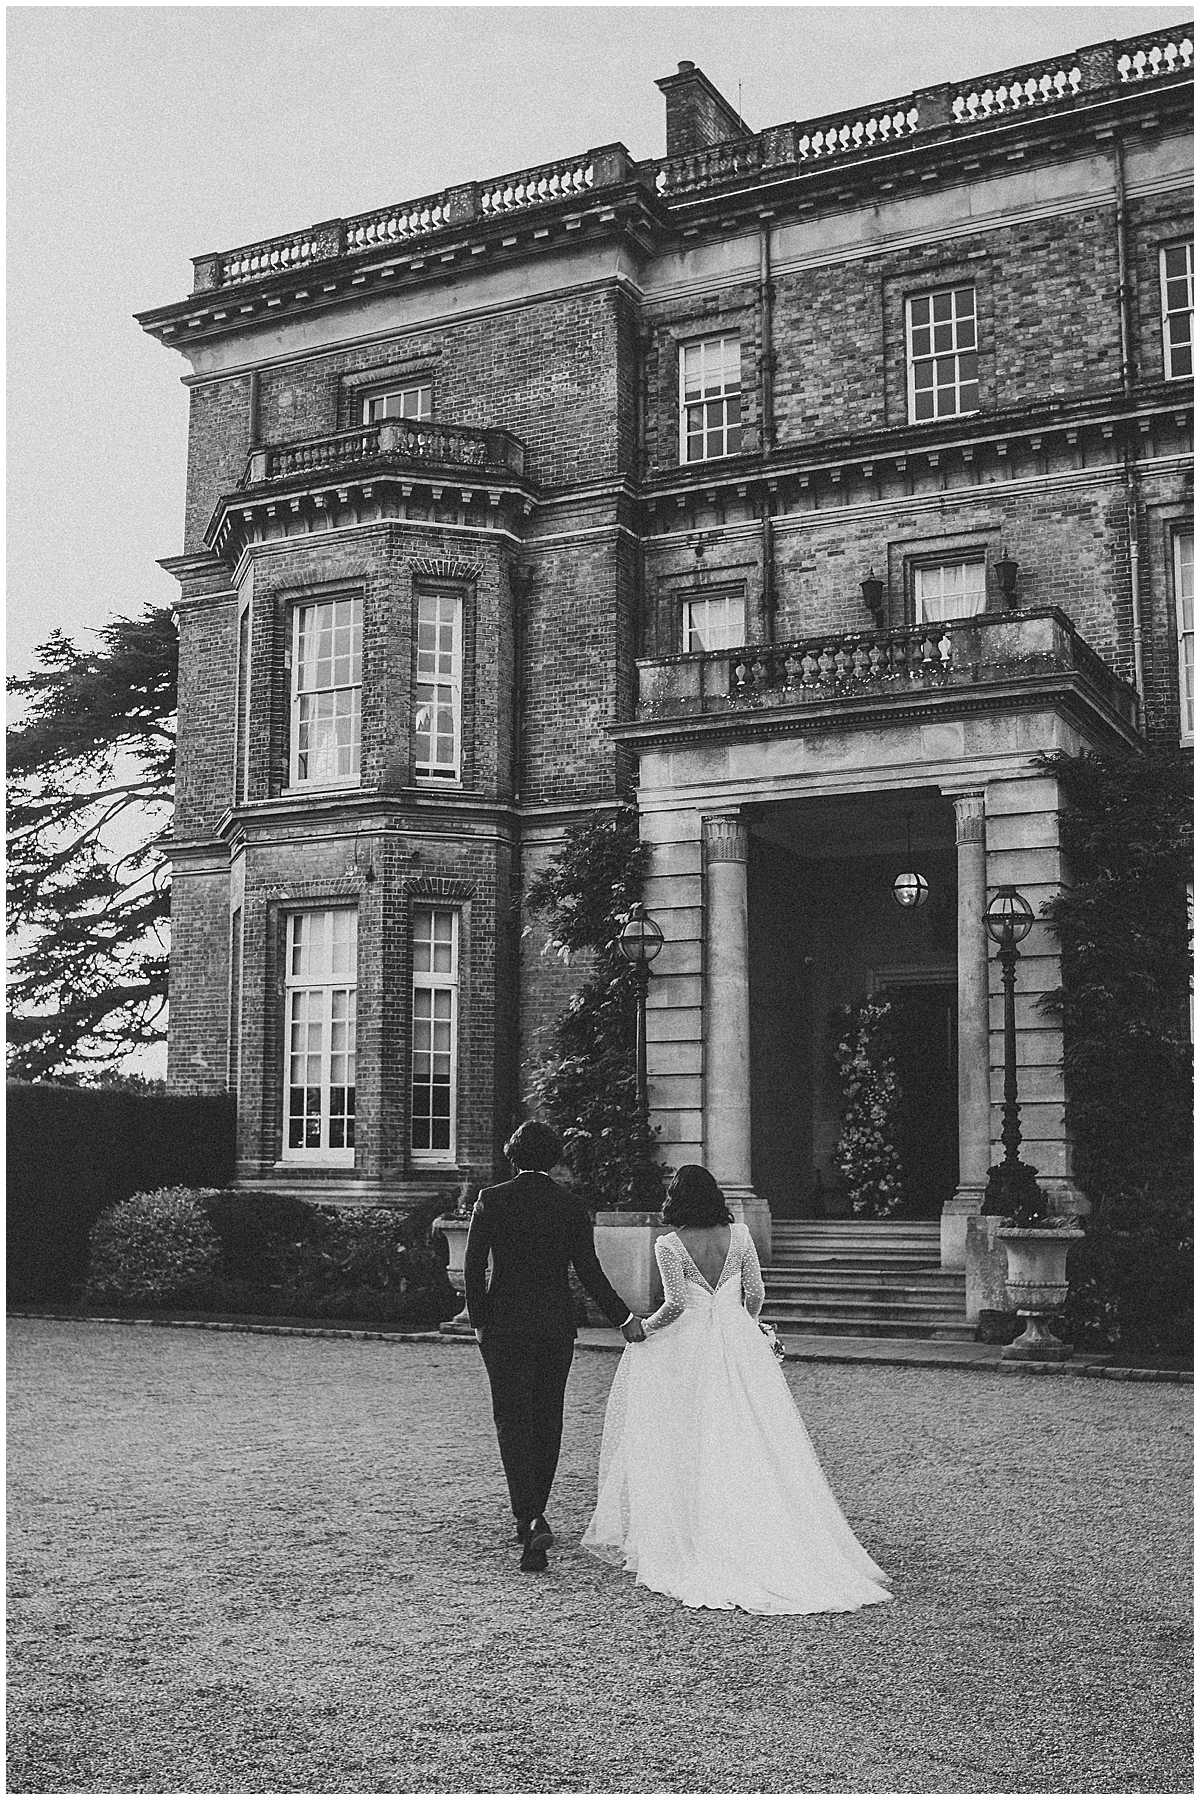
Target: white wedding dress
<point>710,1489</point>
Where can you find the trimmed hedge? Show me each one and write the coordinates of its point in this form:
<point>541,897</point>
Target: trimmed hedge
<point>270,1255</point>
<point>74,1152</point>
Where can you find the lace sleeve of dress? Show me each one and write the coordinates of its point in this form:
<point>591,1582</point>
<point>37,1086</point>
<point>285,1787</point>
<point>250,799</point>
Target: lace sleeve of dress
<point>752,1281</point>
<point>670,1268</point>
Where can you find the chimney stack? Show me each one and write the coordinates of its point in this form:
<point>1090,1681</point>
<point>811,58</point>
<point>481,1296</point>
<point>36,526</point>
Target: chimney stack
<point>698,115</point>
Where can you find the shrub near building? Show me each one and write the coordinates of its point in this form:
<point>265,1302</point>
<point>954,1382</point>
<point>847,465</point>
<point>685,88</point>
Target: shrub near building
<point>1126,960</point>
<point>268,1256</point>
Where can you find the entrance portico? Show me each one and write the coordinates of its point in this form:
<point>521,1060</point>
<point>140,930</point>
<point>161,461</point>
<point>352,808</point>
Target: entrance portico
<point>725,772</point>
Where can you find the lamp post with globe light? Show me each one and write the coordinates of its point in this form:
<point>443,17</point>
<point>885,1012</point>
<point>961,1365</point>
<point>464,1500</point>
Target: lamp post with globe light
<point>640,941</point>
<point>1009,918</point>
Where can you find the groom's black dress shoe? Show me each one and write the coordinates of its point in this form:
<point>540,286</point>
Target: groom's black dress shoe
<point>536,1535</point>
<point>533,1562</point>
<point>540,1535</point>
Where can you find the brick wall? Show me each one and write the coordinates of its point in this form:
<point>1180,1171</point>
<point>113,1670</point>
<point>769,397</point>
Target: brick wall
<point>204,775</point>
<point>197,1049</point>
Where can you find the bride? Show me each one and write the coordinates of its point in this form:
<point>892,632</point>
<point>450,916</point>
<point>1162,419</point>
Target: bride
<point>710,1490</point>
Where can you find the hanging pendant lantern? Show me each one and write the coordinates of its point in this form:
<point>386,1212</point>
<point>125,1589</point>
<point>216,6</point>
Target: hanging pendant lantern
<point>910,889</point>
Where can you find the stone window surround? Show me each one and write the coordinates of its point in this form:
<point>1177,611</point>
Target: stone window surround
<point>411,369</point>
<point>900,285</point>
<point>684,597</point>
<point>906,555</point>
<point>673,591</point>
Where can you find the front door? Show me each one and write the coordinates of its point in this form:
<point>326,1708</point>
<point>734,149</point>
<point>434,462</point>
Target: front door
<point>926,1052</point>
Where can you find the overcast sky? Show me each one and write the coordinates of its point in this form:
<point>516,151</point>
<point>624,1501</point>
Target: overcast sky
<point>140,136</point>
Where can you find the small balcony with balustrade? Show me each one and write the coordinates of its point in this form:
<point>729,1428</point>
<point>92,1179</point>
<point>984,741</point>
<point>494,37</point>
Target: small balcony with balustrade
<point>393,468</point>
<point>987,666</point>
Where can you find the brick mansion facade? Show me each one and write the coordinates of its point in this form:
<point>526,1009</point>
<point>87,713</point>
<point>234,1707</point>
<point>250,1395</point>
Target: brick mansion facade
<point>805,484</point>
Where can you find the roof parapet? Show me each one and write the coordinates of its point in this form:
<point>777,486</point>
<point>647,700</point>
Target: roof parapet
<point>722,152</point>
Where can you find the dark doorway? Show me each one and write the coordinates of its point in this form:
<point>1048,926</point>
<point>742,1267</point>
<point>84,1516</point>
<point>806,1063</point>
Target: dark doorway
<point>925,1015</point>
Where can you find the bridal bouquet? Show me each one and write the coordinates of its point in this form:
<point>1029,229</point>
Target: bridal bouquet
<point>772,1338</point>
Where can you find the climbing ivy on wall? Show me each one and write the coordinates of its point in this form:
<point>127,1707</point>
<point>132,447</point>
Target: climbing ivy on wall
<point>584,1079</point>
<point>1124,930</point>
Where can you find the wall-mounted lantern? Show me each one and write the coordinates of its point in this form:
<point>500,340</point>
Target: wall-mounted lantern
<point>872,593</point>
<point>1006,575</point>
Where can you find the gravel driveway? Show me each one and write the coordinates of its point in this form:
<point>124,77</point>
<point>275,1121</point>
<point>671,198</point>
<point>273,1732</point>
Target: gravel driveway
<point>268,1565</point>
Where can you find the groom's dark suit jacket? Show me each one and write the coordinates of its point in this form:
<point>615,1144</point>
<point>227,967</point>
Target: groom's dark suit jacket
<point>535,1230</point>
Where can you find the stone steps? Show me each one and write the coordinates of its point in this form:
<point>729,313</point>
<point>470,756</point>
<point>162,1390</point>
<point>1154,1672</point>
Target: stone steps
<point>862,1278</point>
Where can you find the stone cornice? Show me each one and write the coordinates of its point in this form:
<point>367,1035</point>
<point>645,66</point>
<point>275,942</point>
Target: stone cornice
<point>932,136</point>
<point>998,434</point>
<point>627,214</point>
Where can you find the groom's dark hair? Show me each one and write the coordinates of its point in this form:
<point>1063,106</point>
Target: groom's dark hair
<point>533,1146</point>
<point>694,1198</point>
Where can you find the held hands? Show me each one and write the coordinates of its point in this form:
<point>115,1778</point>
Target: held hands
<point>633,1332</point>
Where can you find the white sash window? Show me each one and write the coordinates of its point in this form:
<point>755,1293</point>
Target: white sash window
<point>327,693</point>
<point>321,988</point>
<point>710,398</point>
<point>949,590</point>
<point>716,622</point>
<point>434,1034</point>
<point>412,402</point>
<point>437,710</point>
<point>943,354</point>
<point>1176,280</point>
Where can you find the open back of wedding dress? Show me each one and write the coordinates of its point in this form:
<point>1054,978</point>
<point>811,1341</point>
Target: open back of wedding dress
<point>710,1489</point>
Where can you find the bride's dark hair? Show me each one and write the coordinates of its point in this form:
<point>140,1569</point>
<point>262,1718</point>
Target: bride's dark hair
<point>694,1198</point>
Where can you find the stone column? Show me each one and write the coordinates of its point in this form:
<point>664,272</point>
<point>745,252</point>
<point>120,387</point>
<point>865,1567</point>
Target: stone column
<point>727,1022</point>
<point>973,1044</point>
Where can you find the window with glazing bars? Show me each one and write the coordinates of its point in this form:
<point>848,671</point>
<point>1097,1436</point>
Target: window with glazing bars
<point>327,691</point>
<point>1176,278</point>
<point>949,590</point>
<point>943,358</point>
<point>437,698</point>
<point>710,398</point>
<point>434,1033</point>
<point>715,622</point>
<point>1184,565</point>
<point>321,989</point>
<point>398,403</point>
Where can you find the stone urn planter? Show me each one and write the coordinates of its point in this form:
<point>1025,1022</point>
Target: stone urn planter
<point>1037,1287</point>
<point>625,1246</point>
<point>454,1228</point>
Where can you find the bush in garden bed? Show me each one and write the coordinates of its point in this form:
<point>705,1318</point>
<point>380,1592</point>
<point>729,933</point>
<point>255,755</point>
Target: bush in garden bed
<point>155,1249</point>
<point>272,1256</point>
<point>367,1263</point>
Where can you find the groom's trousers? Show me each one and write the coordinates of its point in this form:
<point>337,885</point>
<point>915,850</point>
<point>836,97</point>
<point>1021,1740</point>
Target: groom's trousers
<point>528,1377</point>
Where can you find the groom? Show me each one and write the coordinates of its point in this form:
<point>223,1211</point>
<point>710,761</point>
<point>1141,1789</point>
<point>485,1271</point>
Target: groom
<point>524,1318</point>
